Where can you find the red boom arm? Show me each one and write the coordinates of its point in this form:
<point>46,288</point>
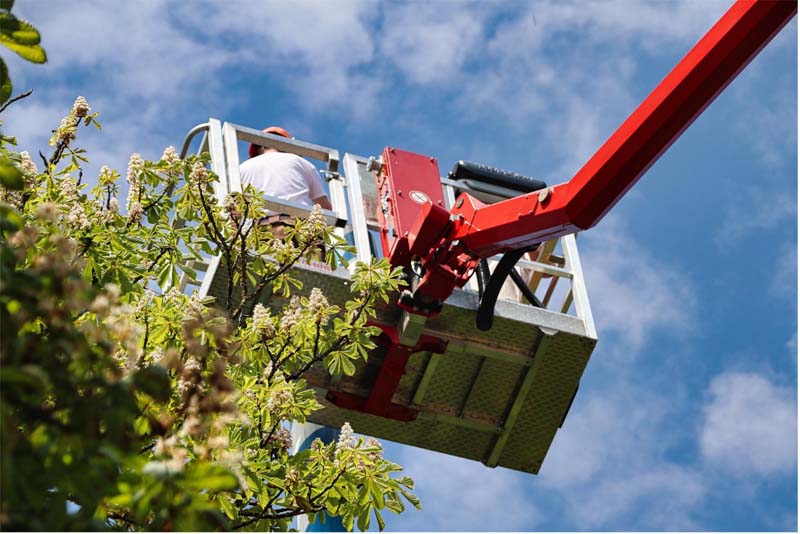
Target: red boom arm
<point>479,231</point>
<point>442,246</point>
<point>672,106</point>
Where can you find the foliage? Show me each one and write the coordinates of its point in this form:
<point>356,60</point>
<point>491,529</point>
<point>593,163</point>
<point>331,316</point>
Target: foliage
<point>20,37</point>
<point>127,404</point>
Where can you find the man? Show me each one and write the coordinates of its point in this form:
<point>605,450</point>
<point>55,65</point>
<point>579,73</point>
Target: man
<point>283,175</point>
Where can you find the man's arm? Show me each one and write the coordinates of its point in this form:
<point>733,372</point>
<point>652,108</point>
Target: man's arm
<point>323,202</point>
<point>315,188</point>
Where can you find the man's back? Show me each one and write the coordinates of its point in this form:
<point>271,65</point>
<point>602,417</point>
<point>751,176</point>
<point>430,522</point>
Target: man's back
<point>283,175</point>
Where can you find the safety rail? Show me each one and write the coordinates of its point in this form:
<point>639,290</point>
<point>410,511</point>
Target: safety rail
<point>497,395</point>
<point>553,275</point>
<point>221,141</point>
<point>555,260</point>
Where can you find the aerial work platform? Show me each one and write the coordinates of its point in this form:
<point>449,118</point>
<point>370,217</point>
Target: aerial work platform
<point>497,396</point>
<point>456,370</point>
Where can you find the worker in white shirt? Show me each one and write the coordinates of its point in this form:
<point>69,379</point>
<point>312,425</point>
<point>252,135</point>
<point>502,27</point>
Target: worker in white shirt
<point>283,175</point>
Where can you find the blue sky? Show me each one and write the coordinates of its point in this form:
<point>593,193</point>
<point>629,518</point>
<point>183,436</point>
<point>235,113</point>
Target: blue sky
<point>687,414</point>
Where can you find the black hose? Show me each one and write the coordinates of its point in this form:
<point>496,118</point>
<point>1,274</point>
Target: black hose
<point>526,291</point>
<point>483,275</point>
<point>485,315</point>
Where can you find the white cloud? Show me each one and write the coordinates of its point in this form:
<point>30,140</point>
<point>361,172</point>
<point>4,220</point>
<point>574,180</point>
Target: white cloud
<point>430,43</point>
<point>568,67</point>
<point>750,426</point>
<point>784,280</point>
<point>132,62</point>
<point>311,47</point>
<point>756,210</point>
<point>791,345</point>
<point>633,294</point>
<point>466,495</point>
<point>139,49</point>
<point>608,463</point>
<point>659,498</point>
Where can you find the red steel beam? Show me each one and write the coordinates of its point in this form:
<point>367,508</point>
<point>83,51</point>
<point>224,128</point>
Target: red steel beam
<point>672,106</point>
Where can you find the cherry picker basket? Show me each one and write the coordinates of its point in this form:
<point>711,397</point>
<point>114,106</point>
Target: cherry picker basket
<point>496,396</point>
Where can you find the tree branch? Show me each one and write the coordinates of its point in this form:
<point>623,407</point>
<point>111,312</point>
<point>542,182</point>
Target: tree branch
<point>163,251</point>
<point>26,94</point>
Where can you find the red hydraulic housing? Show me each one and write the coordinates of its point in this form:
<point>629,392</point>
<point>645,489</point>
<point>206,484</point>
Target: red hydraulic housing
<point>440,249</point>
<point>446,245</point>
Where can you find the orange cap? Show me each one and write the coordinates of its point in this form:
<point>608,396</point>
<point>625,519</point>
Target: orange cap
<point>277,130</point>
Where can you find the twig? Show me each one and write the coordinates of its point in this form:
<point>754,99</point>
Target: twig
<point>163,251</point>
<point>140,361</point>
<point>283,514</point>
<point>268,278</point>
<point>26,94</point>
<point>336,345</point>
<point>330,486</point>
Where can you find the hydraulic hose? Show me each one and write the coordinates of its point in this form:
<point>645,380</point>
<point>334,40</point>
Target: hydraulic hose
<point>485,316</point>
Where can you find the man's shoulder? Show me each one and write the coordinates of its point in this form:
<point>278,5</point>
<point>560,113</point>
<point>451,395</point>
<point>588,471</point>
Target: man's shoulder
<point>283,161</point>
<point>293,160</point>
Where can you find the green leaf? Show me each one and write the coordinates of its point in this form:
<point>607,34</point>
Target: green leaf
<point>381,522</point>
<point>348,366</point>
<point>377,494</point>
<point>411,498</point>
<point>22,38</point>
<point>10,176</point>
<point>6,4</point>
<point>227,506</point>
<point>154,381</point>
<point>18,30</point>
<point>363,520</point>
<point>5,82</point>
<point>211,477</point>
<point>406,481</point>
<point>347,522</point>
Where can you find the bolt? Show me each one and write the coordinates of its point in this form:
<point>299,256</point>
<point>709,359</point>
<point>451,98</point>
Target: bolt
<point>374,164</point>
<point>543,194</point>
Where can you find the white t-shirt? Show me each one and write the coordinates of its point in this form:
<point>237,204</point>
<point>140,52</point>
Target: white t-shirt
<point>283,175</point>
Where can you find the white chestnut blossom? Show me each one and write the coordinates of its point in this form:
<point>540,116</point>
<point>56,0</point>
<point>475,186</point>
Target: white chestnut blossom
<point>231,208</point>
<point>170,155</point>
<point>317,304</point>
<point>199,174</point>
<point>47,211</point>
<point>77,217</point>
<point>80,108</point>
<point>106,176</point>
<point>157,356</point>
<point>282,438</point>
<point>262,322</point>
<point>66,131</point>
<point>191,426</point>
<point>24,239</point>
<point>277,399</point>
<point>291,314</point>
<point>219,443</point>
<point>135,212</point>
<point>195,305</point>
<point>135,166</point>
<point>27,165</point>
<point>346,438</point>
<point>316,217</point>
<point>377,455</point>
<point>68,187</point>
